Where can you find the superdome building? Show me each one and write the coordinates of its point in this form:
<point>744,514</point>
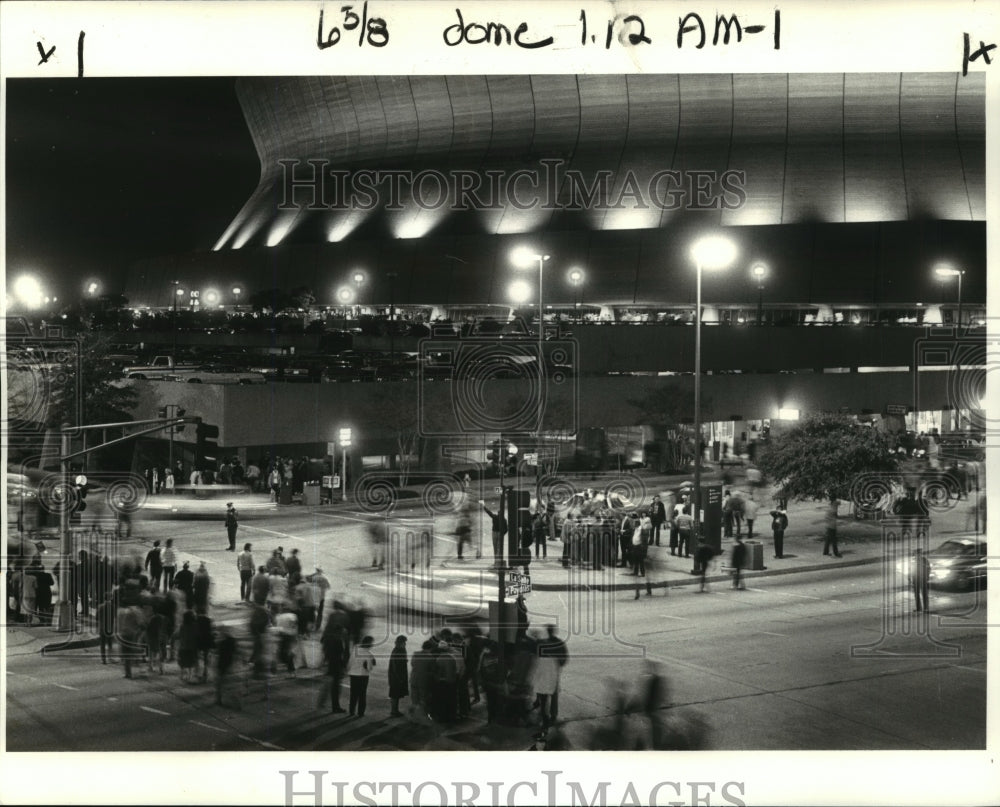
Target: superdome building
<point>409,196</point>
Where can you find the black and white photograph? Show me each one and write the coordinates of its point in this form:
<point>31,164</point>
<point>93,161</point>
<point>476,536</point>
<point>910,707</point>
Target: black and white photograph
<point>406,410</point>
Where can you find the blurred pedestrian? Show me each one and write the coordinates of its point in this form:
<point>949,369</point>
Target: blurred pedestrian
<point>750,508</point>
<point>779,523</point>
<point>638,552</point>
<point>130,629</point>
<point>728,516</point>
<point>259,623</point>
<point>657,517</point>
<point>398,675</point>
<point>244,564</point>
<point>703,556</point>
<point>276,563</point>
<point>232,524</point>
<point>359,670</point>
<point>421,679</point>
<point>187,646</point>
<point>335,653</point>
<point>376,537</point>
<point>206,642</point>
<point>738,561</point>
<point>106,627</point>
<point>154,565</point>
<point>286,624</point>
<point>293,568</point>
<point>552,658</point>
<point>225,657</point>
<point>920,575</point>
<point>260,587</point>
<point>498,529</point>
<point>685,529</point>
<point>321,585</point>
<point>201,583</point>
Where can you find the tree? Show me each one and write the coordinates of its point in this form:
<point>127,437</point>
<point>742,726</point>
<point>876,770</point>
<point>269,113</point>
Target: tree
<point>397,407</point>
<point>666,408</point>
<point>822,458</point>
<point>91,390</point>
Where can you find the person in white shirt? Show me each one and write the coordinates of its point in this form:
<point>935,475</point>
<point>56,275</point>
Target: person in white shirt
<point>750,508</point>
<point>286,624</point>
<point>359,668</point>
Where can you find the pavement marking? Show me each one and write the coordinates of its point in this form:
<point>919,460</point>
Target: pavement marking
<point>350,518</point>
<point>770,633</point>
<point>273,532</point>
<point>789,594</point>
<point>972,669</point>
<point>154,711</point>
<point>66,686</point>
<point>206,726</point>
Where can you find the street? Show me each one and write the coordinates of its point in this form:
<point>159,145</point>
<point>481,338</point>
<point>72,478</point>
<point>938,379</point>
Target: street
<point>769,667</point>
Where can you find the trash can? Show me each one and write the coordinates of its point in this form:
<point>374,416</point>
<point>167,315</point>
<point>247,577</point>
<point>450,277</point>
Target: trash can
<point>285,494</point>
<point>755,556</point>
<point>310,493</point>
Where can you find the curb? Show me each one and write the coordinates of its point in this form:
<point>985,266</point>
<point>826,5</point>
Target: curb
<point>695,579</point>
<point>76,644</point>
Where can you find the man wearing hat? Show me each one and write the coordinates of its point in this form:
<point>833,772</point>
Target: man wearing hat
<point>231,526</point>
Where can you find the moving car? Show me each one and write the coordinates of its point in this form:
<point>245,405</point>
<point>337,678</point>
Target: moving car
<point>958,563</point>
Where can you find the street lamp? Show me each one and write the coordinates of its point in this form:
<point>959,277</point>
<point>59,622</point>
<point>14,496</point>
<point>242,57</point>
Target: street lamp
<point>211,297</point>
<point>237,291</point>
<point>945,272</point>
<point>28,291</point>
<point>710,252</point>
<point>345,443</point>
<point>92,288</point>
<point>358,278</point>
<point>522,259</point>
<point>760,272</point>
<point>345,295</point>
<point>576,277</point>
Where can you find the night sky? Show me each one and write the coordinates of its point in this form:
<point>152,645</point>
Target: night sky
<point>102,172</point>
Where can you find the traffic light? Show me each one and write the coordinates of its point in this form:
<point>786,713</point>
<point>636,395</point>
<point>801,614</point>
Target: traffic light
<point>180,414</point>
<point>162,413</point>
<point>494,455</point>
<point>80,487</point>
<point>206,450</point>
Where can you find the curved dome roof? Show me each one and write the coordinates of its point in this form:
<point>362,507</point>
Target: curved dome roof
<point>830,148</point>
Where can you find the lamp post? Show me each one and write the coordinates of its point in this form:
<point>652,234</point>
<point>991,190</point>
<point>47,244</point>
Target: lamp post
<point>345,443</point>
<point>358,277</point>
<point>178,291</point>
<point>392,317</point>
<point>710,252</point>
<point>522,258</point>
<point>760,272</point>
<point>945,272</point>
<point>237,291</point>
<point>576,277</point>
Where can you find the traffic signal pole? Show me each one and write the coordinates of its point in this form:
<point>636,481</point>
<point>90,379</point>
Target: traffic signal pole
<point>67,609</point>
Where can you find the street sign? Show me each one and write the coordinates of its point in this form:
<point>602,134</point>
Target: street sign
<point>517,578</point>
<point>517,590</point>
<point>498,489</point>
<point>531,458</point>
<point>336,480</point>
<point>895,409</point>
<point>331,449</point>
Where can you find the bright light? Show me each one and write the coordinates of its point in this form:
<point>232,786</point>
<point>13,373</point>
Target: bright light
<point>345,295</point>
<point>944,271</point>
<point>519,291</point>
<point>788,414</point>
<point>345,437</point>
<point>281,228</point>
<point>713,252</point>
<point>759,271</point>
<point>358,277</point>
<point>179,292</point>
<point>28,290</point>
<point>575,276</point>
<point>526,258</point>
<point>512,449</point>
<point>92,288</point>
<point>211,296</point>
<point>237,291</point>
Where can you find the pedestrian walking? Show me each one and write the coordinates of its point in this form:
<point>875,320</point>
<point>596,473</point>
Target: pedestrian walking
<point>276,563</point>
<point>552,658</point>
<point>728,515</point>
<point>259,622</point>
<point>702,558</point>
<point>232,524</point>
<point>359,669</point>
<point>168,561</point>
<point>334,643</point>
<point>463,530</point>
<point>540,534</point>
<point>830,537</point>
<point>421,679</point>
<point>286,623</point>
<point>398,675</point>
<point>154,565</point>
<point>244,564</point>
<point>779,523</point>
<point>260,587</point>
<point>130,628</point>
<point>376,537</point>
<point>920,575</point>
<point>738,561</point>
